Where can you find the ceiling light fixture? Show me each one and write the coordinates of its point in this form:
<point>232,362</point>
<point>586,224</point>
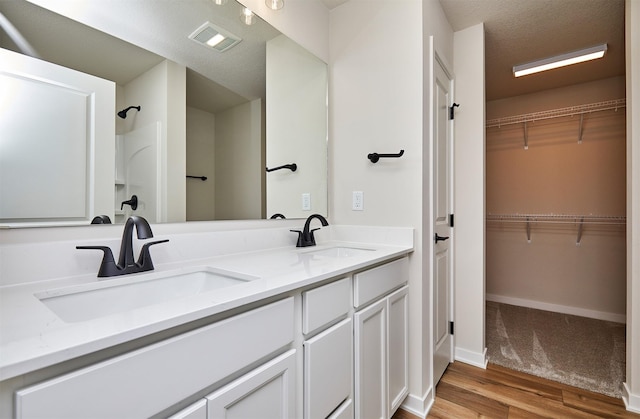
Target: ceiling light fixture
<point>247,17</point>
<point>215,40</point>
<point>214,37</point>
<point>274,4</point>
<point>561,60</point>
<point>219,2</point>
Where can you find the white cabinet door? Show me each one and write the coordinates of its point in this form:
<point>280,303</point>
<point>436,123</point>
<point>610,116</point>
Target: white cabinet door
<point>266,392</point>
<point>371,361</point>
<point>328,369</point>
<point>345,411</point>
<point>398,366</point>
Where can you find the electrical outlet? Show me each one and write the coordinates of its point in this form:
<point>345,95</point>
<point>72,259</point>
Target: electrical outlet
<point>306,202</point>
<point>358,201</point>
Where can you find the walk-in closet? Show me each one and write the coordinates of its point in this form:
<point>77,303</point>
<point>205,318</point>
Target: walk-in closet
<point>555,233</point>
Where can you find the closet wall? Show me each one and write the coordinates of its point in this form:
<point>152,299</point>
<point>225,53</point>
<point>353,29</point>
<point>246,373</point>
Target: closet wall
<point>536,256</point>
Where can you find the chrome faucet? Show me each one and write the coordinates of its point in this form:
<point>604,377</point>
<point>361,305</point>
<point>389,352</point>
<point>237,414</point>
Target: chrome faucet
<point>126,262</point>
<point>305,237</point>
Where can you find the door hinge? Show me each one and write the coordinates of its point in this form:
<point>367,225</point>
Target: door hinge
<point>450,220</point>
<point>452,110</point>
<point>451,328</point>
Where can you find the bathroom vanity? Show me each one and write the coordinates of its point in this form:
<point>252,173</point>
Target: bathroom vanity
<point>282,332</point>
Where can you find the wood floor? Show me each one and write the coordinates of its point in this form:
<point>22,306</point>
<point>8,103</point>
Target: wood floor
<point>497,392</point>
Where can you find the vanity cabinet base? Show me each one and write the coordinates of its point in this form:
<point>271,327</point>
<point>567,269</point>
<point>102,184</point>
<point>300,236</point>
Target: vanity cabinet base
<point>143,382</point>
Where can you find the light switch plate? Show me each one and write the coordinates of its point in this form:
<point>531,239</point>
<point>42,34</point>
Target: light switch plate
<point>306,202</point>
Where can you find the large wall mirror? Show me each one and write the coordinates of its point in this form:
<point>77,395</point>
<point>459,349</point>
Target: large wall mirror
<point>211,125</point>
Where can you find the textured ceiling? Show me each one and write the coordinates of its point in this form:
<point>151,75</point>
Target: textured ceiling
<point>520,31</point>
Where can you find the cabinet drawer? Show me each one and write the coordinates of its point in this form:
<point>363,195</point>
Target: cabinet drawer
<point>328,365</point>
<point>268,392</point>
<point>374,283</point>
<point>149,380</point>
<point>323,305</point>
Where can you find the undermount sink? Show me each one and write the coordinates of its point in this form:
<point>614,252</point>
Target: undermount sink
<point>338,252</point>
<point>91,301</point>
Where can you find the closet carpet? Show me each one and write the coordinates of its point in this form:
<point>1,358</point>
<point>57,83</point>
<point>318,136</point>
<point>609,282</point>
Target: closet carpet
<point>578,351</point>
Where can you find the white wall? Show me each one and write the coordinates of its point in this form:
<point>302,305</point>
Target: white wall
<point>200,162</point>
<point>469,199</point>
<point>378,103</point>
<point>632,385</point>
<point>239,162</point>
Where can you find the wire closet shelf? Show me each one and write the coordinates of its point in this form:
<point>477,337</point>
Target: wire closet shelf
<point>578,220</point>
<point>557,113</point>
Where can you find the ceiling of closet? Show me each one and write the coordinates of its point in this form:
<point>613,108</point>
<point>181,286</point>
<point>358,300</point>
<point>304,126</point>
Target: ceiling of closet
<point>520,31</point>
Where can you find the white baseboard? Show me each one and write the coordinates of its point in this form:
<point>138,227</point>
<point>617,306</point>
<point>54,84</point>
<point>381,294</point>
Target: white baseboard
<point>631,401</point>
<point>477,359</point>
<point>576,311</point>
<point>419,406</point>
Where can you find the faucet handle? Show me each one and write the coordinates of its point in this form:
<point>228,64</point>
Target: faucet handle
<point>144,260</point>
<point>108,265</point>
<point>303,241</point>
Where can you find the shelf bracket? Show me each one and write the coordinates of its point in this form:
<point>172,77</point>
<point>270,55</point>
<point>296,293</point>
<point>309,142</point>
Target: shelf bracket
<point>526,136</point>
<point>580,227</point>
<point>580,129</point>
<point>528,230</point>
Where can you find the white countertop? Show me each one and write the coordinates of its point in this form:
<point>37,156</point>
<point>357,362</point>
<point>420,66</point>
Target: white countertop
<point>33,337</point>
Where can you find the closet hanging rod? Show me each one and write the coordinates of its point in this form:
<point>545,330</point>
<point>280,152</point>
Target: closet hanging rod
<point>557,113</point>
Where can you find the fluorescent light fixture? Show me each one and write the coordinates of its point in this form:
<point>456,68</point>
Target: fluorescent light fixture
<point>562,60</point>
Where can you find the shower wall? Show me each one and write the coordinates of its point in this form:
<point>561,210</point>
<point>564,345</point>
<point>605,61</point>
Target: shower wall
<point>201,195</point>
<point>557,175</point>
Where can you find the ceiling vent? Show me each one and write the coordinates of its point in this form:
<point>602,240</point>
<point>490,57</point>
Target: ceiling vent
<point>214,37</point>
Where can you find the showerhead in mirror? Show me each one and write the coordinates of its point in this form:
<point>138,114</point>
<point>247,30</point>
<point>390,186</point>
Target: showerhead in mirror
<point>123,113</point>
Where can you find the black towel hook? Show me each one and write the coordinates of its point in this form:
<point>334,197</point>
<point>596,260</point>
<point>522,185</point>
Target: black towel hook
<point>202,178</point>
<point>452,110</point>
<point>374,157</point>
<point>293,167</point>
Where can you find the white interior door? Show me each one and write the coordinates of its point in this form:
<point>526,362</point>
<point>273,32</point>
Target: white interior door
<point>442,209</point>
<point>56,143</point>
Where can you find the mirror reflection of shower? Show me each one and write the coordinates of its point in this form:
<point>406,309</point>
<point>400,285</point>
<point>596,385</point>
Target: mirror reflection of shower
<point>123,113</point>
